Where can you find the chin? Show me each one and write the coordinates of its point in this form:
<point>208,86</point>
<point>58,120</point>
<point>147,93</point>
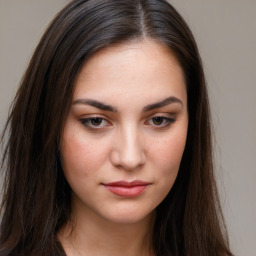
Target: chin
<point>129,216</point>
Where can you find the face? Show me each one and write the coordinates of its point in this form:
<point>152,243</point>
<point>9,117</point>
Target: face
<point>126,131</point>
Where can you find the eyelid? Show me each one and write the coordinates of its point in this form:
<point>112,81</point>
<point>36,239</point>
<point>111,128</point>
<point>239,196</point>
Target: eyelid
<point>169,119</point>
<point>85,122</point>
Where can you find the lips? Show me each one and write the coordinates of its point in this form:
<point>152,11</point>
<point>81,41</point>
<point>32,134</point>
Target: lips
<point>127,189</point>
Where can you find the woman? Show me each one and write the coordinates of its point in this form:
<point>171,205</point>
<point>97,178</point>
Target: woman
<point>109,149</point>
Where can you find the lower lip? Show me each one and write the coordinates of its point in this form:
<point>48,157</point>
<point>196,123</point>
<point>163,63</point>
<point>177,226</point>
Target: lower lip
<point>132,191</point>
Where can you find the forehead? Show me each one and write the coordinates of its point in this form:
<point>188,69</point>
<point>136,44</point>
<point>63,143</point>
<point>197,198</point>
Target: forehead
<point>138,70</point>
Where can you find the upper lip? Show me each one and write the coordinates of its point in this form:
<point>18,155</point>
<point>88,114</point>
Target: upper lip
<point>123,183</point>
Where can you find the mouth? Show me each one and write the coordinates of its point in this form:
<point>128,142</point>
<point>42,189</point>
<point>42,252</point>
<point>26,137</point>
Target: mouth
<point>127,189</point>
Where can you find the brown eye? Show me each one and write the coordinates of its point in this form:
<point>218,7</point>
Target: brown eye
<point>158,120</point>
<point>161,121</point>
<point>96,121</point>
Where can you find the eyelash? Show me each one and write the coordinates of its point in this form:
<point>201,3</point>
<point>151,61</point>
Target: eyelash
<point>164,119</point>
<point>87,122</point>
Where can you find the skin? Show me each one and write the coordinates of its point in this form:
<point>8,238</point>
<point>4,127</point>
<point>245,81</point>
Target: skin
<point>130,143</point>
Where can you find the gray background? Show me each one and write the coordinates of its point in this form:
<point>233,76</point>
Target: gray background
<point>226,34</point>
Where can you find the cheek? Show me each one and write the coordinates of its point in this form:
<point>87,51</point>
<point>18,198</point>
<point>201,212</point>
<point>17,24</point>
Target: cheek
<point>168,152</point>
<point>80,156</point>
<point>166,155</point>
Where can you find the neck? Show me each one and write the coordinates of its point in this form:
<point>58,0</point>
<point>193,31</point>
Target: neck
<point>89,234</point>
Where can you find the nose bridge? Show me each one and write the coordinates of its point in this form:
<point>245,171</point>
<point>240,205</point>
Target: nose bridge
<point>129,152</point>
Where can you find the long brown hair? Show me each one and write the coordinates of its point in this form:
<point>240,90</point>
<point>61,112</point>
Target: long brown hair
<point>36,196</point>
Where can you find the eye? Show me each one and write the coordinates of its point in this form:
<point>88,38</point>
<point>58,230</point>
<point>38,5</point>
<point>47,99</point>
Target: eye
<point>161,121</point>
<point>94,122</point>
<point>158,120</point>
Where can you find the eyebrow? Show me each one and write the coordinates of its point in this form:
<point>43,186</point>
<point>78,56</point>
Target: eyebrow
<point>106,107</point>
<point>96,104</point>
<point>162,103</point>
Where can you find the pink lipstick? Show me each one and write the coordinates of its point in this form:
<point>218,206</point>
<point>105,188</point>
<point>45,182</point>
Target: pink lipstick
<point>127,189</point>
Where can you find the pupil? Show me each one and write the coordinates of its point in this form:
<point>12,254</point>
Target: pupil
<point>96,121</point>
<point>158,120</point>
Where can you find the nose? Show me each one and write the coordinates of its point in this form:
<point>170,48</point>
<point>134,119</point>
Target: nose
<point>128,152</point>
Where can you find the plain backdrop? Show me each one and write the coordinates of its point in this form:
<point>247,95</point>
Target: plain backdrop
<point>225,31</point>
